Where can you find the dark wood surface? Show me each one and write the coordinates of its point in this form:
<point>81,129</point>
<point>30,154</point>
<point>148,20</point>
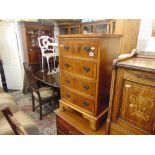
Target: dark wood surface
<point>49,79</point>
<point>72,123</point>
<point>85,73</point>
<point>14,124</point>
<point>30,31</point>
<point>132,99</point>
<point>36,92</point>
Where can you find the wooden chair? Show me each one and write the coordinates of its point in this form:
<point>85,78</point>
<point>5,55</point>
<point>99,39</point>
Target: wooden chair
<point>13,122</point>
<point>43,95</point>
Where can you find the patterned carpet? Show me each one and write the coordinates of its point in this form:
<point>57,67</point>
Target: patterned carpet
<point>47,126</point>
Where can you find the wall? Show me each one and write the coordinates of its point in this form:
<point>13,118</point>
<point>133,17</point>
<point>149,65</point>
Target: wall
<point>144,34</point>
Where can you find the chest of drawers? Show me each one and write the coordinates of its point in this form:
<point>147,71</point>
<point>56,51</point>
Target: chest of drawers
<point>132,98</point>
<point>85,73</point>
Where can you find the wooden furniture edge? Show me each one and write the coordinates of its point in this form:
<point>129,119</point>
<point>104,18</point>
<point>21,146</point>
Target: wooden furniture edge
<point>112,88</point>
<point>100,35</point>
<point>94,121</point>
<point>61,114</point>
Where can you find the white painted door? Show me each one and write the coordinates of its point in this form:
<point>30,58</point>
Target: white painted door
<point>9,52</point>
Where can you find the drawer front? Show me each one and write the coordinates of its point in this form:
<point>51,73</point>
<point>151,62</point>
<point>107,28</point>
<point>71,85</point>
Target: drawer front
<point>87,48</point>
<point>86,69</point>
<point>67,65</point>
<point>64,128</point>
<point>85,86</point>
<point>80,101</point>
<point>139,76</point>
<point>65,48</point>
<point>79,67</point>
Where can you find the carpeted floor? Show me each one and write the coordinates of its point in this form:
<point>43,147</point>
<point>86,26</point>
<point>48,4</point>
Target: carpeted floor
<point>47,126</point>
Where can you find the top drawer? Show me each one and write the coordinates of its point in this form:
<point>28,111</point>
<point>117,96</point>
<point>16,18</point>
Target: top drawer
<point>87,48</point>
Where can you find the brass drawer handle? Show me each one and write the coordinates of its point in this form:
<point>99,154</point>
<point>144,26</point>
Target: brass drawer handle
<point>145,77</point>
<point>85,104</point>
<point>66,47</point>
<point>67,65</point>
<point>86,87</point>
<point>87,49</point>
<point>67,81</point>
<point>68,95</point>
<point>86,69</point>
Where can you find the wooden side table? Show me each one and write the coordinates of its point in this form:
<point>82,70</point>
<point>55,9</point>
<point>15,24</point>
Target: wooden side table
<point>71,123</point>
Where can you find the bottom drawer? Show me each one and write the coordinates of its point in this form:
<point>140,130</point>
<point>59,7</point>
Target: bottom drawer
<point>86,104</point>
<point>64,128</point>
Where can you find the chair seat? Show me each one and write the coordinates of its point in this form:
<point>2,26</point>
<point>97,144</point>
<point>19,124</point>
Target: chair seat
<point>29,125</point>
<point>10,103</point>
<point>45,92</point>
<point>6,95</point>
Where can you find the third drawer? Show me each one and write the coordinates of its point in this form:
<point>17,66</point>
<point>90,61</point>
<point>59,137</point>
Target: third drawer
<point>80,84</point>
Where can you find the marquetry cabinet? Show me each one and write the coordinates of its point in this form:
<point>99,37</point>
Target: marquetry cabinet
<point>132,98</point>
<point>85,73</point>
<point>30,31</point>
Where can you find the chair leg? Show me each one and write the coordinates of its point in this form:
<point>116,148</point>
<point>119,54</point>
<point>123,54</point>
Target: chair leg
<point>42,69</point>
<point>40,106</point>
<point>47,58</point>
<point>33,103</point>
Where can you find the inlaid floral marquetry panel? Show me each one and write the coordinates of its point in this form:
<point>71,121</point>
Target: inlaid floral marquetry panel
<point>137,104</point>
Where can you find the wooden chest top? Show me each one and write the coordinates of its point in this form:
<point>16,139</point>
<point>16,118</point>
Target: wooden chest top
<point>138,62</point>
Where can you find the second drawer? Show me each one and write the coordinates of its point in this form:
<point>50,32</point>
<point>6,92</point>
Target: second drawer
<point>80,67</point>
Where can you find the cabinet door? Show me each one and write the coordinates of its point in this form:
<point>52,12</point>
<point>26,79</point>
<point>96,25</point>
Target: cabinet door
<point>34,56</point>
<point>74,30</point>
<point>64,30</point>
<point>134,107</point>
<point>34,51</point>
<point>101,28</point>
<point>87,29</point>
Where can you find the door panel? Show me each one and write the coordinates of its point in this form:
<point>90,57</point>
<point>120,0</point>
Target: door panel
<point>10,55</point>
<point>137,104</point>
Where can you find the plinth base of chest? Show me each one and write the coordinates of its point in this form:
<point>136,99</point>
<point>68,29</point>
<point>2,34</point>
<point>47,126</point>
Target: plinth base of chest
<point>94,121</point>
